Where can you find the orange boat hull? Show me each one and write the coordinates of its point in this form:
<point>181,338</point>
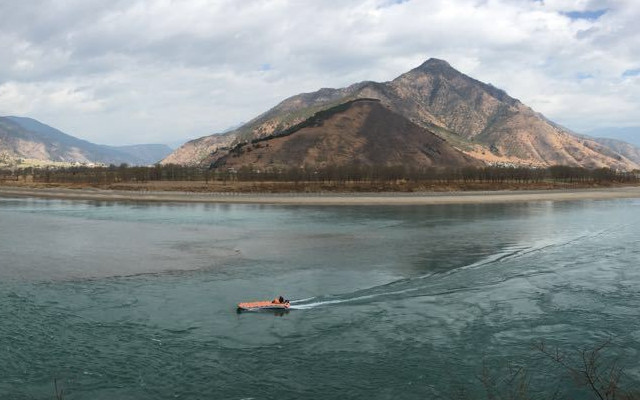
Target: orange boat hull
<point>263,305</point>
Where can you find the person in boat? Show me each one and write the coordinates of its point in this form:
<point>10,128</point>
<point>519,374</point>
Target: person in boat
<point>280,300</point>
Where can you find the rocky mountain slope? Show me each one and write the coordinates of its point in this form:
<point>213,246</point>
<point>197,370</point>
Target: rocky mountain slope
<point>476,118</point>
<point>29,139</point>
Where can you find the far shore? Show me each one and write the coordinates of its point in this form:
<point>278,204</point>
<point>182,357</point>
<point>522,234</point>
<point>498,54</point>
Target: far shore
<point>328,199</point>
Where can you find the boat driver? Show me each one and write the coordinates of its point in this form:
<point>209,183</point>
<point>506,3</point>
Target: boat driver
<point>280,300</point>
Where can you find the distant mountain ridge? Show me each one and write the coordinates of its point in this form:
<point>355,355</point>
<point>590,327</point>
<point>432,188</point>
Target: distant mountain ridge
<point>145,154</point>
<point>28,138</point>
<point>626,149</point>
<point>629,135</point>
<point>475,118</point>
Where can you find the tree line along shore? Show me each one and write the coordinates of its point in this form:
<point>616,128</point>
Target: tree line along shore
<point>353,178</point>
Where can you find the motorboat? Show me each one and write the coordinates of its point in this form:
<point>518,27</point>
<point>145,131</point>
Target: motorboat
<point>264,305</point>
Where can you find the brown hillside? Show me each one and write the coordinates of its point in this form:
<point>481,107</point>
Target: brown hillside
<point>363,132</point>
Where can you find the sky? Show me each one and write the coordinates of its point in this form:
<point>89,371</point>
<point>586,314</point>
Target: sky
<point>160,71</point>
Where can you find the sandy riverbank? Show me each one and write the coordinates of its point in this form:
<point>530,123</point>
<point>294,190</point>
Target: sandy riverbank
<point>425,198</point>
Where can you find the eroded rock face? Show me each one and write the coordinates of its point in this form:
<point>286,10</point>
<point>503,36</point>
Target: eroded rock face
<point>505,129</point>
<point>475,118</point>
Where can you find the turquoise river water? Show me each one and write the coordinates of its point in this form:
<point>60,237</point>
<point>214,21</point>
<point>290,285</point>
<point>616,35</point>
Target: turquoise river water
<point>137,301</point>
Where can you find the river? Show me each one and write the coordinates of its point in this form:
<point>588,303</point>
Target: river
<point>117,300</point>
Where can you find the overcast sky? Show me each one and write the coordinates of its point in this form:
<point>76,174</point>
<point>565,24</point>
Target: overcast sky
<point>161,71</point>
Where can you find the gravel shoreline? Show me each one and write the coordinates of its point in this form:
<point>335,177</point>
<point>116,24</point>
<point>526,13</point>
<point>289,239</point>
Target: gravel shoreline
<point>423,198</point>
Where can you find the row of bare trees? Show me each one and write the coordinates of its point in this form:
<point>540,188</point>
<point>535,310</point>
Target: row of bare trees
<point>329,174</point>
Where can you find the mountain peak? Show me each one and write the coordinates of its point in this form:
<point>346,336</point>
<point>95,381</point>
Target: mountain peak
<point>435,64</point>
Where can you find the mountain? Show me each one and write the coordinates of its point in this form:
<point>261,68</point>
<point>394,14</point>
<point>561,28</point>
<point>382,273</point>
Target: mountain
<point>30,139</point>
<point>477,119</point>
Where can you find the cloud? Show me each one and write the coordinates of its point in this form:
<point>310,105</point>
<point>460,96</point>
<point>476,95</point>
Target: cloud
<point>160,70</point>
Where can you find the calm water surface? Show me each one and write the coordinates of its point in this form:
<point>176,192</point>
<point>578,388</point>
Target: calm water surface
<point>137,301</point>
